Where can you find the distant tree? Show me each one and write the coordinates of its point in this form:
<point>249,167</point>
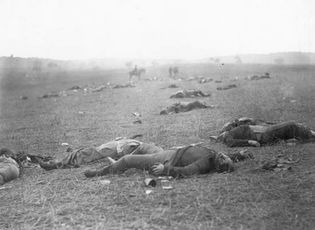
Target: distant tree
<point>238,60</point>
<point>279,61</point>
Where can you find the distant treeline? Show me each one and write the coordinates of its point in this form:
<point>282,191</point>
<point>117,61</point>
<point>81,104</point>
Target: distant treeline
<point>42,64</point>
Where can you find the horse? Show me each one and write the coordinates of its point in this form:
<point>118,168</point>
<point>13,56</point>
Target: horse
<point>136,72</point>
<point>173,71</point>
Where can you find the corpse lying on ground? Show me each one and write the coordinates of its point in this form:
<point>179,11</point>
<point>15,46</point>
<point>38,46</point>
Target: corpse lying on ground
<point>185,161</point>
<point>256,135</point>
<point>114,149</point>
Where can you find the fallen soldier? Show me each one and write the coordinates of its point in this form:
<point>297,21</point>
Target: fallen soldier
<point>9,166</point>
<point>257,135</point>
<point>256,77</point>
<point>205,80</point>
<point>49,95</point>
<point>113,149</point>
<point>184,107</point>
<point>227,87</point>
<point>244,121</point>
<point>189,93</point>
<point>177,162</point>
<point>127,85</point>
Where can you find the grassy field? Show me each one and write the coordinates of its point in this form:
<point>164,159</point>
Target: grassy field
<point>248,198</point>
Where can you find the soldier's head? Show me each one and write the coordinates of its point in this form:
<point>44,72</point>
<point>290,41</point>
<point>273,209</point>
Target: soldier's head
<point>223,163</point>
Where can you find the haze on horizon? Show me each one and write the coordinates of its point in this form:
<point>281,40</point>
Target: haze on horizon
<point>77,29</point>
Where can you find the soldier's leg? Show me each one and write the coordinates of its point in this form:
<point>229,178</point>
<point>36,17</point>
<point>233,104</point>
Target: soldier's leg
<point>130,161</point>
<point>285,131</point>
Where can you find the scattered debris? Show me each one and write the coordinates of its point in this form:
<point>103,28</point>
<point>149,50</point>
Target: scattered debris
<point>280,163</point>
<point>230,86</point>
<point>138,120</point>
<point>150,182</point>
<point>242,155</point>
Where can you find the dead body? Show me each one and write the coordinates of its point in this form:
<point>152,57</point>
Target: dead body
<point>189,93</point>
<point>226,87</point>
<point>256,135</point>
<point>244,121</point>
<point>185,161</point>
<point>184,107</point>
<point>114,149</point>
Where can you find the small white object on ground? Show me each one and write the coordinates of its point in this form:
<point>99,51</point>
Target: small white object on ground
<point>148,191</point>
<point>105,182</point>
<point>65,144</point>
<point>168,187</point>
<point>2,188</point>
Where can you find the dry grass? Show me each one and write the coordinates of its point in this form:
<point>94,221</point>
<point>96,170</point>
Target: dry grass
<point>245,199</point>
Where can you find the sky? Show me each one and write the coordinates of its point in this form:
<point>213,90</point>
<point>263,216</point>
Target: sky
<point>78,29</point>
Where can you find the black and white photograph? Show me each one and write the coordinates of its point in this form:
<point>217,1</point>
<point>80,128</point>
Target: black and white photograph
<point>157,114</point>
